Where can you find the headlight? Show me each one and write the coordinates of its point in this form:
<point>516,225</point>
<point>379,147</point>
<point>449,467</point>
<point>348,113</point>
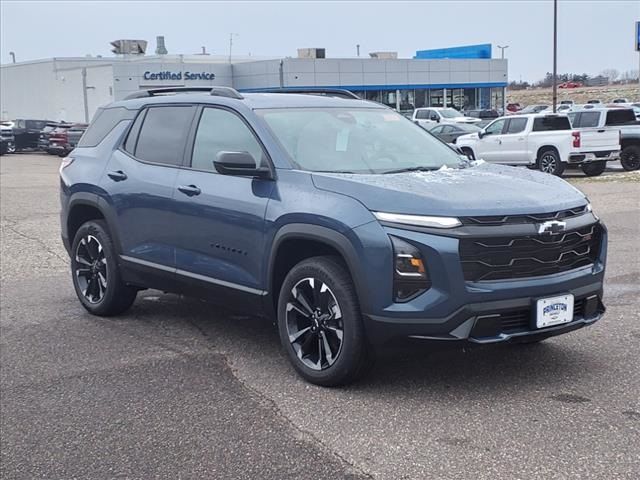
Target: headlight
<point>418,220</point>
<point>410,276</point>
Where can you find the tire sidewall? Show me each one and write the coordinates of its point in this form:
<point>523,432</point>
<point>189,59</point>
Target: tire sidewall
<point>98,230</point>
<point>594,169</point>
<point>353,341</point>
<point>630,150</point>
<point>559,166</point>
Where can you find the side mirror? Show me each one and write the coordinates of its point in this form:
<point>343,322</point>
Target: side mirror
<point>435,118</point>
<point>482,133</point>
<point>241,164</point>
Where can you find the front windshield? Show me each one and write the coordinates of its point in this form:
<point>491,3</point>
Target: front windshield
<point>450,113</point>
<point>356,140</point>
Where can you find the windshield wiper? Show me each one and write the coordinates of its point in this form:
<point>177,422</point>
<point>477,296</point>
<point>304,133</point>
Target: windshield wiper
<point>412,169</point>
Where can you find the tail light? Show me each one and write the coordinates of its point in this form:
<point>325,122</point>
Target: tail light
<point>576,139</point>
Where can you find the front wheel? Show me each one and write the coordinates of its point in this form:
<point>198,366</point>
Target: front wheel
<point>549,162</point>
<point>594,169</point>
<point>630,158</point>
<point>320,323</point>
<point>96,274</point>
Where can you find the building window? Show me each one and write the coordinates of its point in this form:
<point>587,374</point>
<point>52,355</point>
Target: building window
<point>421,97</point>
<point>436,99</point>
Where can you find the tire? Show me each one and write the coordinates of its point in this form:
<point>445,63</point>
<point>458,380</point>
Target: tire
<point>594,169</point>
<point>319,312</point>
<point>468,152</point>
<point>96,274</point>
<point>630,158</point>
<point>549,162</point>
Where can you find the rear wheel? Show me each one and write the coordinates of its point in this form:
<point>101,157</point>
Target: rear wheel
<point>320,324</point>
<point>96,274</point>
<point>594,169</point>
<point>630,158</point>
<point>549,162</point>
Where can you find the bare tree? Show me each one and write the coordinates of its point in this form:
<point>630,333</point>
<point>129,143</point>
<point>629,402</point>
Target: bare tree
<point>611,73</point>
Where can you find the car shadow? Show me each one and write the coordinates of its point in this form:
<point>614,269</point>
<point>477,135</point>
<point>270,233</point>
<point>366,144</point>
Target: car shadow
<point>426,370</point>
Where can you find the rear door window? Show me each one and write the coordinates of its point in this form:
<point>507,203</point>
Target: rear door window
<point>621,117</point>
<point>516,125</point>
<point>545,124</point>
<point>163,134</point>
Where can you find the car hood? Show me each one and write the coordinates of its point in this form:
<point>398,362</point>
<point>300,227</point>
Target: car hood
<point>483,189</point>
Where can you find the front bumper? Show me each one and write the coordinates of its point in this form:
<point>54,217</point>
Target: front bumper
<point>487,311</point>
<point>587,157</point>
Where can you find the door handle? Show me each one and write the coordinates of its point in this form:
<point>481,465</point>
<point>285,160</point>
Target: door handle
<point>117,176</point>
<point>189,190</point>
<point>521,139</point>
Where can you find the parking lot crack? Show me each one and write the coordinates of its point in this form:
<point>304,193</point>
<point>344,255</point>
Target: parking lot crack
<point>10,225</point>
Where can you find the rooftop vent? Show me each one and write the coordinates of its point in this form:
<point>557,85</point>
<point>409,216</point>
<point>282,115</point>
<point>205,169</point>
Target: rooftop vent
<point>311,53</point>
<point>129,47</point>
<point>384,55</point>
<point>160,48</point>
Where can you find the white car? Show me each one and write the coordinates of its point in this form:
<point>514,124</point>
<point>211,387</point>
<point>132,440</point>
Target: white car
<point>428,116</point>
<point>546,141</point>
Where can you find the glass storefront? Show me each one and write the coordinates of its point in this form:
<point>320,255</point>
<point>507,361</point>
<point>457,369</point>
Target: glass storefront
<point>459,98</point>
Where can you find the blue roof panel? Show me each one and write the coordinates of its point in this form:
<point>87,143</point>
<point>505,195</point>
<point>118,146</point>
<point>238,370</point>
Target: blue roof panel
<point>464,52</point>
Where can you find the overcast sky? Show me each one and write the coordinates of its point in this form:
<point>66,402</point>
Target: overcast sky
<point>593,35</point>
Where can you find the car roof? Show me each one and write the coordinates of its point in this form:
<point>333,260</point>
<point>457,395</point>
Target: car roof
<point>252,100</point>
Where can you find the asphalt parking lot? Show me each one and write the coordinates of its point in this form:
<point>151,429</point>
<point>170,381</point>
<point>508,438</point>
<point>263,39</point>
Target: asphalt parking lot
<point>177,388</point>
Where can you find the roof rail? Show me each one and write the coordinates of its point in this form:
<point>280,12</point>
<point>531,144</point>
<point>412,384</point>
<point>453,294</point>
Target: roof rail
<point>216,91</point>
<point>328,92</point>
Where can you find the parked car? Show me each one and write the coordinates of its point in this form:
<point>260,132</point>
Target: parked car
<point>533,109</point>
<point>27,133</point>
<point>7,140</point>
<point>570,85</point>
<point>485,116</point>
<point>65,138</point>
<point>427,116</point>
<point>620,100</point>
<point>571,103</point>
<point>449,133</point>
<point>622,120</point>
<point>43,140</point>
<point>348,225</point>
<point>543,141</point>
<point>514,107</point>
<point>594,102</point>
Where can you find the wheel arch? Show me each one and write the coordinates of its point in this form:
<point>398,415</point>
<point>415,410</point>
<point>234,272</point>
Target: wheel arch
<point>82,209</point>
<point>544,148</point>
<point>295,242</point>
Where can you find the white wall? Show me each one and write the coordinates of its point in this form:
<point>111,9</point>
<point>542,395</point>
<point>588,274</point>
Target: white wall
<point>52,90</point>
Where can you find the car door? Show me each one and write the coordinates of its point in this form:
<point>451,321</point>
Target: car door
<point>488,147</point>
<point>450,133</point>
<point>139,183</point>
<point>220,225</point>
<point>513,143</point>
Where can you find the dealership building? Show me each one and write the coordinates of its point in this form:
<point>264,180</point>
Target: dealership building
<point>71,89</point>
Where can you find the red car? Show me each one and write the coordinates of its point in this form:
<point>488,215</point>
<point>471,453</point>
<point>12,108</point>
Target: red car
<point>514,107</point>
<point>570,85</point>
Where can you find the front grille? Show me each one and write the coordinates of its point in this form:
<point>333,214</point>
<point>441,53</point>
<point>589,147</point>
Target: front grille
<point>485,259</point>
<point>519,219</point>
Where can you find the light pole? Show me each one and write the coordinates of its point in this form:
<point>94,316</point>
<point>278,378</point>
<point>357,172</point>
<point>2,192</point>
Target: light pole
<point>555,54</point>
<point>231,44</point>
<point>504,89</point>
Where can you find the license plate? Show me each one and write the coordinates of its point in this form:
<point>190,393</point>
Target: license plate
<point>554,311</point>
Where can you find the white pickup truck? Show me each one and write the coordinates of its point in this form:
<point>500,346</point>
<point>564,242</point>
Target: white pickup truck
<point>622,119</point>
<point>543,141</point>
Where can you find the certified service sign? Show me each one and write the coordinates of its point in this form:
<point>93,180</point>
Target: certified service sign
<point>168,75</point>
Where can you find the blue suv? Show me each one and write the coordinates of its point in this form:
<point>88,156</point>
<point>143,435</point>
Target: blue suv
<point>338,217</point>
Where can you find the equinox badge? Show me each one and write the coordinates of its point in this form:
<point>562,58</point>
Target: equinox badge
<point>552,227</point>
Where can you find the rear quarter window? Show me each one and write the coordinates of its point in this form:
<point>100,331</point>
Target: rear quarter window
<point>545,124</point>
<point>620,117</point>
<point>103,122</point>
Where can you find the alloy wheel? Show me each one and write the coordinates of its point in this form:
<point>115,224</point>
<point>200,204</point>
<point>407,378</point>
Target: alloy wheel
<point>314,323</point>
<point>548,163</point>
<point>631,160</point>
<point>91,269</point>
